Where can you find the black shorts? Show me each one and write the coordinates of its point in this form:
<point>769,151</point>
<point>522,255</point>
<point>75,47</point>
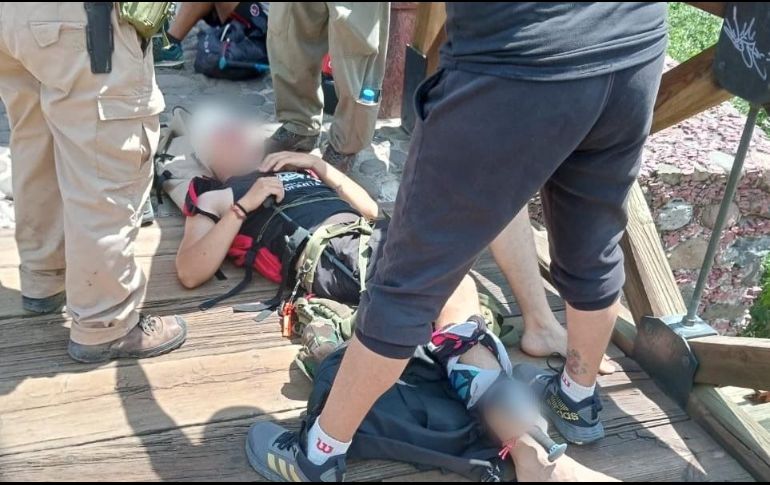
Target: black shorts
<point>482,147</point>
<point>332,283</point>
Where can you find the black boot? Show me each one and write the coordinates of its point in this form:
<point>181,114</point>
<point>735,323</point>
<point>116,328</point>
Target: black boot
<point>343,163</point>
<point>284,140</point>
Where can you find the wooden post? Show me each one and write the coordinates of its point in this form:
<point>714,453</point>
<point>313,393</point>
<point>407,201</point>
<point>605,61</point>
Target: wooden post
<point>429,32</point>
<point>715,8</point>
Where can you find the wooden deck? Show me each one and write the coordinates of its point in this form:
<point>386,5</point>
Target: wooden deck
<point>184,416</point>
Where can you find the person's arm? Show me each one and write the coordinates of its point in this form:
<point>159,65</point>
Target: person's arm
<point>346,188</point>
<point>205,243</point>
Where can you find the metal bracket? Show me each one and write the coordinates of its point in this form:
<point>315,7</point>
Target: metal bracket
<point>661,348</point>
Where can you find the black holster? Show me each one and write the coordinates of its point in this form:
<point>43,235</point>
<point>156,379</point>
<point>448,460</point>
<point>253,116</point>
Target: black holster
<point>99,34</point>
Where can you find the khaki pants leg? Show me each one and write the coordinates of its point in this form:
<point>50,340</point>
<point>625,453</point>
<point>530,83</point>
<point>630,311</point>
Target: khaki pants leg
<point>37,200</point>
<point>104,129</point>
<point>358,39</point>
<point>297,40</point>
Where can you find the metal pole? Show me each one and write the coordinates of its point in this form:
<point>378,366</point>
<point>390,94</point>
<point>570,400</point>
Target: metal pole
<point>716,235</point>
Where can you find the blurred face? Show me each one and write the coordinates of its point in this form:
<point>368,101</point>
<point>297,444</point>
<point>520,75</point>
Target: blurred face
<point>235,150</point>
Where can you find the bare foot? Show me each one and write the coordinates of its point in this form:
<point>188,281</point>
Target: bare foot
<point>533,466</point>
<point>551,338</point>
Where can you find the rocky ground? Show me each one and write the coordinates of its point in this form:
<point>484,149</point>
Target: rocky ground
<point>683,175</point>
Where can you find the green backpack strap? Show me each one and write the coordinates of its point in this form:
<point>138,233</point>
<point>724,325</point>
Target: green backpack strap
<point>495,317</point>
<point>320,239</point>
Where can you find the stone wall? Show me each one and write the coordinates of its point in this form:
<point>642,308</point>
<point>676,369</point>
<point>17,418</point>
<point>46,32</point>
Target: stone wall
<point>684,174</point>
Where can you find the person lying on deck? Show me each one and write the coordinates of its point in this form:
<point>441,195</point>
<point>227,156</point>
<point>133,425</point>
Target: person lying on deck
<point>228,216</point>
<point>236,208</point>
<point>217,227</point>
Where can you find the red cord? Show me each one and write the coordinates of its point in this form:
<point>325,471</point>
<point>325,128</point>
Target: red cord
<point>507,449</point>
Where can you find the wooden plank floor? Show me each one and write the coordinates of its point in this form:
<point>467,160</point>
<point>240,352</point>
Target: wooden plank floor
<point>184,416</point>
<point>759,411</point>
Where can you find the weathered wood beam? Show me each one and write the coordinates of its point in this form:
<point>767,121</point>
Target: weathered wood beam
<point>733,361</point>
<point>733,428</point>
<point>687,90</point>
<point>431,17</point>
<point>650,286</point>
<point>715,8</point>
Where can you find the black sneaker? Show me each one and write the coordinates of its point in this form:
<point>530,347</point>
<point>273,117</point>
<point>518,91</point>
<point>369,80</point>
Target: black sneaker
<point>579,422</point>
<point>277,455</point>
<point>340,161</point>
<point>284,140</point>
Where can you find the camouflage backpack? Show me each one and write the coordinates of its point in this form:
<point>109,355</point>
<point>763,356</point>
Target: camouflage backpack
<point>324,325</point>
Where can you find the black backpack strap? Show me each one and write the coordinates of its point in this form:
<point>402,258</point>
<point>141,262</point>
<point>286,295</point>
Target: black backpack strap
<point>294,245</point>
<point>272,304</point>
<point>367,446</point>
<point>251,256</point>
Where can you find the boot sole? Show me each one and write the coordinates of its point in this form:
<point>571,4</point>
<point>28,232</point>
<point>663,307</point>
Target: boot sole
<point>301,147</point>
<point>576,435</point>
<point>170,64</point>
<point>100,357</point>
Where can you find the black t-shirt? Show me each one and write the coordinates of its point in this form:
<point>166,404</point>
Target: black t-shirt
<point>298,187</point>
<point>552,41</point>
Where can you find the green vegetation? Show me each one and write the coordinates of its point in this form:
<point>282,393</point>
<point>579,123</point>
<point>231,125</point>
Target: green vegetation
<point>693,30</point>
<point>760,312</point>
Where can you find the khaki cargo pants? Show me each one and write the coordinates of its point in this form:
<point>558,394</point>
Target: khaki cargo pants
<point>356,36</point>
<point>81,149</point>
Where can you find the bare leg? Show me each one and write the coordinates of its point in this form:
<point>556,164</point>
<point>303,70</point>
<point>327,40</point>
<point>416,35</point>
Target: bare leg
<point>225,9</point>
<point>589,335</point>
<point>530,459</point>
<point>189,14</point>
<point>532,465</point>
<point>514,251</point>
<point>463,303</point>
<point>515,254</point>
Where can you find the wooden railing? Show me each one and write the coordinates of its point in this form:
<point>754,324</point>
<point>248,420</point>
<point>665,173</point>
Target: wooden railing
<point>650,289</point>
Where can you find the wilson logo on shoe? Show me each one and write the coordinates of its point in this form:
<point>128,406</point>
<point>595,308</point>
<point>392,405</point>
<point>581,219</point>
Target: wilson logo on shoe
<point>279,466</point>
<point>561,409</point>
<point>324,448</point>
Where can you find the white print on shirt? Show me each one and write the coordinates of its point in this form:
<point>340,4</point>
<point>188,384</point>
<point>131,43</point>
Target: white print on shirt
<point>744,40</point>
<point>297,180</point>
